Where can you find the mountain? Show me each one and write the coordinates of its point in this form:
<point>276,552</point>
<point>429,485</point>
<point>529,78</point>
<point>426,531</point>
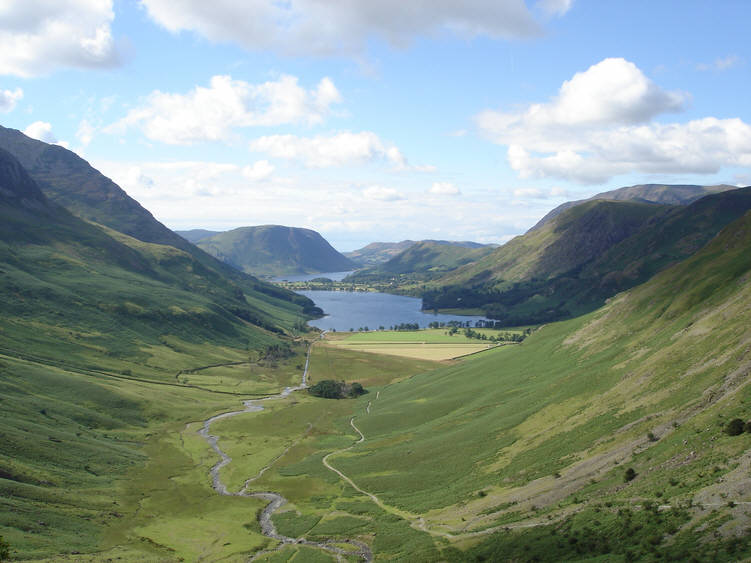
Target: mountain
<point>194,235</point>
<point>377,252</point>
<point>598,438</point>
<point>104,340</point>
<point>380,252</point>
<point>423,260</point>
<point>70,181</point>
<point>664,194</point>
<point>585,255</point>
<point>92,278</point>
<point>273,250</point>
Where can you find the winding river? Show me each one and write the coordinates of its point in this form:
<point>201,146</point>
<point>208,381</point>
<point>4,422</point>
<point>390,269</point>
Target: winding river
<point>275,500</point>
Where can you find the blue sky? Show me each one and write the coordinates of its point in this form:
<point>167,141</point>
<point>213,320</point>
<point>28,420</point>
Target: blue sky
<point>380,121</point>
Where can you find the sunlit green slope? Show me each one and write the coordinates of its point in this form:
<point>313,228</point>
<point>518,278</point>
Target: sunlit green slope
<point>548,428</point>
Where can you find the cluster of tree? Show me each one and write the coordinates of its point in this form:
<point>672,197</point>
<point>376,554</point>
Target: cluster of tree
<point>330,389</point>
<point>278,351</point>
<point>500,337</point>
<point>406,326</point>
<point>737,426</point>
<point>513,305</point>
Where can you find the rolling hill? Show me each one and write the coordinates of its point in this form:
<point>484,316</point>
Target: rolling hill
<point>273,250</point>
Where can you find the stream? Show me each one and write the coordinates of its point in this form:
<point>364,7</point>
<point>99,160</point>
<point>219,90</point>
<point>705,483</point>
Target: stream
<point>275,500</point>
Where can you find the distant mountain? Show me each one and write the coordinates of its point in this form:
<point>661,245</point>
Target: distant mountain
<point>664,194</point>
<point>377,252</point>
<point>274,250</point>
<point>380,252</point>
<point>586,254</point>
<point>194,235</point>
<point>424,260</point>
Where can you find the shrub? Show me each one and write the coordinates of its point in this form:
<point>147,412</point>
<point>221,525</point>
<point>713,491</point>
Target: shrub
<point>734,427</point>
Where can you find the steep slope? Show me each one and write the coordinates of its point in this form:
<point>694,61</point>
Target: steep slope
<point>525,450</point>
<point>194,235</point>
<point>274,250</point>
<point>92,279</point>
<point>581,285</point>
<point>70,181</point>
<point>423,260</point>
<point>100,334</point>
<point>664,194</point>
<point>573,238</point>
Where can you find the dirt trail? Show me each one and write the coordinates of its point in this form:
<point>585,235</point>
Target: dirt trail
<point>275,500</point>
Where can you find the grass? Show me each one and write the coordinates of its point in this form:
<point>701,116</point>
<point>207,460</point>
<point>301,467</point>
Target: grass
<point>431,344</point>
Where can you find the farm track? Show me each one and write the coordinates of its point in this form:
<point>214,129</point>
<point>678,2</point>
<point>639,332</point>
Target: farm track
<point>275,500</point>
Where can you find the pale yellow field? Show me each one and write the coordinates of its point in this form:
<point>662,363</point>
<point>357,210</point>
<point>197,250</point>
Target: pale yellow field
<point>421,351</point>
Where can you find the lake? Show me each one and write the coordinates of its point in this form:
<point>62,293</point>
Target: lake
<point>355,309</point>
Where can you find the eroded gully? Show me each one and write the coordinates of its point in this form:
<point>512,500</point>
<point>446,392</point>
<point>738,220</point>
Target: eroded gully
<point>275,500</point>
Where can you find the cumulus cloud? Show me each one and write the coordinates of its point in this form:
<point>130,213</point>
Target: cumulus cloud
<point>323,151</point>
<point>259,170</point>
<point>9,99</point>
<point>601,124</point>
<point>211,113</point>
<point>444,188</point>
<point>41,131</point>
<point>326,28</point>
<point>40,36</point>
<point>380,193</point>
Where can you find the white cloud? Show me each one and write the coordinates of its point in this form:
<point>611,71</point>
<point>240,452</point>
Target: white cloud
<point>9,99</point>
<point>555,7</point>
<point>380,193</point>
<point>720,64</point>
<point>259,170</point>
<point>42,35</point>
<point>444,188</point>
<point>601,124</point>
<point>340,149</point>
<point>210,114</point>
<point>42,131</point>
<point>85,132</point>
<point>325,28</point>
<point>538,193</point>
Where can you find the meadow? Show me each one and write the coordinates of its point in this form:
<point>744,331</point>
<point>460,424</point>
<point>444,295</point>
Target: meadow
<point>429,344</point>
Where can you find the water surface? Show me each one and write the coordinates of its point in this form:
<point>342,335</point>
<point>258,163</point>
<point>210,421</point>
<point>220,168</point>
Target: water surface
<point>358,309</point>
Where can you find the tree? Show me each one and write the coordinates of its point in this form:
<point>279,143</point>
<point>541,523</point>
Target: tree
<point>734,427</point>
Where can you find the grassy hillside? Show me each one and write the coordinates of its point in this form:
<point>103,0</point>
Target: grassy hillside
<point>273,250</point>
<point>422,261</point>
<point>377,252</point>
<point>523,452</point>
<point>529,282</point>
<point>70,181</point>
<point>546,430</point>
